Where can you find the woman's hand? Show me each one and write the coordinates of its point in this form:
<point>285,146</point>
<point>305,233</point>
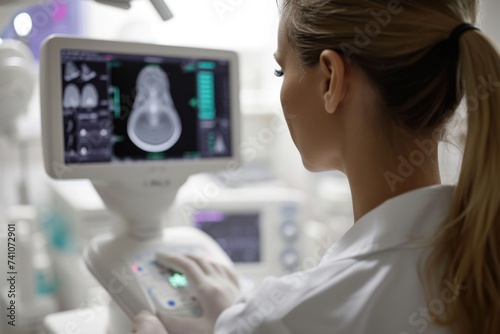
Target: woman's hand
<point>215,285</point>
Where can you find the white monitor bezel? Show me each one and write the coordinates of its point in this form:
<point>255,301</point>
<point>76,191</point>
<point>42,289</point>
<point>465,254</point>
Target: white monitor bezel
<point>52,112</point>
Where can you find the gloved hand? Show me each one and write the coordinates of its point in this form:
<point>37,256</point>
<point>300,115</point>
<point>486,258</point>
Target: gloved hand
<point>147,323</point>
<point>215,285</point>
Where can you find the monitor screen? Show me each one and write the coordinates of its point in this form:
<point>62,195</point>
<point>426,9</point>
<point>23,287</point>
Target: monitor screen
<point>237,233</point>
<point>126,108</point>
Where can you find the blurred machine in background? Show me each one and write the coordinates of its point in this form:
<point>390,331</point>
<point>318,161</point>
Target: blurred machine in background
<point>25,251</point>
<point>263,227</point>
<point>34,284</point>
<point>17,76</point>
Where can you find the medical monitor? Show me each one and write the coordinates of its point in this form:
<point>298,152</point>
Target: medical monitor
<point>238,233</point>
<point>113,109</point>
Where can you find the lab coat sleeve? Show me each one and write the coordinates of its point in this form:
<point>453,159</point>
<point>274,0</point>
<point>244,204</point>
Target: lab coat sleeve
<point>263,310</point>
<point>260,311</point>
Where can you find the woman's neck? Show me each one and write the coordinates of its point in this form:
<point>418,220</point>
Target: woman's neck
<point>374,178</point>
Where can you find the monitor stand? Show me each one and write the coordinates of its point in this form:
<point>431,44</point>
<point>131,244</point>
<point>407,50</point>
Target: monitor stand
<point>125,263</point>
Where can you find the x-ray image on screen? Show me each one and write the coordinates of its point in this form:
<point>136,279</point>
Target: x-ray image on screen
<point>86,112</point>
<point>125,108</point>
<point>87,73</point>
<point>90,97</point>
<point>154,124</point>
<point>71,97</point>
<point>153,116</point>
<point>71,71</point>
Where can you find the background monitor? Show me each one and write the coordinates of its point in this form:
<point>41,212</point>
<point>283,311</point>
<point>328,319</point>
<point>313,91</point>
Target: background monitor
<point>237,233</point>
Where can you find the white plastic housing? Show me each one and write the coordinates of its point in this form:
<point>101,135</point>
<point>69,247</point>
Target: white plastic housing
<point>110,261</point>
<point>17,75</point>
<point>137,173</point>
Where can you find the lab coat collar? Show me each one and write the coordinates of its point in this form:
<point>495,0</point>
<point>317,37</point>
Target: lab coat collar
<point>405,221</point>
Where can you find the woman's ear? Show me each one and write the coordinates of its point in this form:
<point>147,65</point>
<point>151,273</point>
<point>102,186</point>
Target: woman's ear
<point>334,84</point>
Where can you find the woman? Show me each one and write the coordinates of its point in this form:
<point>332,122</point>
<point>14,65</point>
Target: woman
<point>368,89</point>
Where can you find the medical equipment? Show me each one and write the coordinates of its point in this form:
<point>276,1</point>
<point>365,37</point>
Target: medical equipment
<point>28,269</point>
<point>32,277</point>
<point>273,226</point>
<point>16,82</point>
<point>160,6</point>
<point>75,215</point>
<point>16,89</point>
<point>92,141</point>
<point>264,229</point>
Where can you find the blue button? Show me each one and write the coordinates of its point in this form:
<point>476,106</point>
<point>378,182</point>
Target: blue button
<point>171,303</point>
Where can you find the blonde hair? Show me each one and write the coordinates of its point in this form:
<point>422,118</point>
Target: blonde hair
<point>422,76</point>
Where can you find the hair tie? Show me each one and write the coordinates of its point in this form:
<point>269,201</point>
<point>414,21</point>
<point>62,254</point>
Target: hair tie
<point>460,30</point>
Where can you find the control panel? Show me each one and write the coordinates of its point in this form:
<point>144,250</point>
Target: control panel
<point>129,270</point>
<point>169,290</point>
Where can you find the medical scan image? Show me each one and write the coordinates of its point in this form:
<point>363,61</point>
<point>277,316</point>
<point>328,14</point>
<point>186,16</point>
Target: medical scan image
<point>71,97</point>
<point>154,124</point>
<point>124,108</point>
<point>87,73</point>
<point>90,97</point>
<point>71,71</point>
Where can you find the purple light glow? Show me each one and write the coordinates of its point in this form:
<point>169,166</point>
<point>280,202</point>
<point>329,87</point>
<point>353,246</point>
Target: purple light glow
<point>208,216</point>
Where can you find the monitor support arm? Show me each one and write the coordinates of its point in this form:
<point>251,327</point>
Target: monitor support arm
<point>140,204</point>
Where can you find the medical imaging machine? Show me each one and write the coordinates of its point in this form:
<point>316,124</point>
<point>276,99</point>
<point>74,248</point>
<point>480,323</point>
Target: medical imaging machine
<point>137,120</point>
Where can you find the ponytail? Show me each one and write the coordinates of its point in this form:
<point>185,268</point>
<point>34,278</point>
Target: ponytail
<point>467,247</point>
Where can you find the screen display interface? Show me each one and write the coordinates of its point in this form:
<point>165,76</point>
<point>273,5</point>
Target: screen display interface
<point>238,234</point>
<point>126,108</point>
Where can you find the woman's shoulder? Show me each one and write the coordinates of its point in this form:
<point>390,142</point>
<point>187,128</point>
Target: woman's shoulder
<point>363,295</point>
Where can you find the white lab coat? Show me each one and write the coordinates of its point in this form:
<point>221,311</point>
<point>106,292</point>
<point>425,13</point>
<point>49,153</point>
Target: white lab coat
<point>365,283</point>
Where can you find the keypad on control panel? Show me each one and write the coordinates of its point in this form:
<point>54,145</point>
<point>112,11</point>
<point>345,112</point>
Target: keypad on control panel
<point>169,290</point>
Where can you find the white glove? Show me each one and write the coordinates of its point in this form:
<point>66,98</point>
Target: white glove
<point>147,323</point>
<point>215,285</point>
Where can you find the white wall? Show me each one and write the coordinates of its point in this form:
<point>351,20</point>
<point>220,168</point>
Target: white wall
<point>246,26</point>
<point>489,19</point>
